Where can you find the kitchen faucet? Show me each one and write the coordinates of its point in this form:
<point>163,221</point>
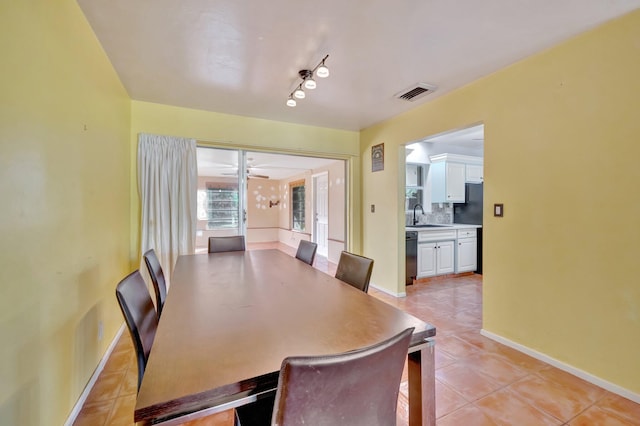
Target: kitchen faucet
<point>415,221</point>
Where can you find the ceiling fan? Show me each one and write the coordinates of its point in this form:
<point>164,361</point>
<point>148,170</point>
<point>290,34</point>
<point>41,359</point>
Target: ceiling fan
<point>250,174</point>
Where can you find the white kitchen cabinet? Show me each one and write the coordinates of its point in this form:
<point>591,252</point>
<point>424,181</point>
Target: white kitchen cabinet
<point>414,174</point>
<point>467,255</point>
<point>466,250</point>
<point>474,173</point>
<point>447,182</point>
<point>435,258</point>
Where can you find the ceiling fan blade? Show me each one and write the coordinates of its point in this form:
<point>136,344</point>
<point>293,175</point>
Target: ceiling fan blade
<point>258,176</point>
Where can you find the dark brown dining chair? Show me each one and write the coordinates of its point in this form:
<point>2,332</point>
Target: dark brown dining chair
<point>140,315</point>
<point>355,270</point>
<point>353,388</point>
<point>157,278</point>
<point>306,251</point>
<point>222,244</point>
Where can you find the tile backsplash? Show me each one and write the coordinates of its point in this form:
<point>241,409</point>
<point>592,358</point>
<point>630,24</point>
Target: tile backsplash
<point>439,215</point>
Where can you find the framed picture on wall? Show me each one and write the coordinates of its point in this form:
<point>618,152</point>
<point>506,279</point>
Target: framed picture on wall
<point>377,157</point>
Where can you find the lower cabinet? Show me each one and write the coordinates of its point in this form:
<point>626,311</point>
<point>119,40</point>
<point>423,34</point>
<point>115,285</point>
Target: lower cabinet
<point>467,255</point>
<point>435,258</point>
<point>467,251</point>
<point>447,251</point>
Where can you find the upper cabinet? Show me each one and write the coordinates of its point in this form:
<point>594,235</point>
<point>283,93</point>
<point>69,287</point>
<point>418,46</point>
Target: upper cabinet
<point>414,175</point>
<point>474,173</point>
<point>414,185</point>
<point>447,182</point>
<point>449,173</point>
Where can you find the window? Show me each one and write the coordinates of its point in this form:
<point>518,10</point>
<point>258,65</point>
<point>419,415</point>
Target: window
<point>297,205</point>
<point>218,205</point>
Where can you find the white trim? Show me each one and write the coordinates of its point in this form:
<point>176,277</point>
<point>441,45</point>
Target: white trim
<point>611,387</point>
<point>92,381</point>
<point>389,292</point>
<point>314,226</point>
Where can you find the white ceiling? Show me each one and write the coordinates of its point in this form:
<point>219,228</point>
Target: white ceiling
<point>224,162</point>
<point>242,57</point>
<point>470,138</point>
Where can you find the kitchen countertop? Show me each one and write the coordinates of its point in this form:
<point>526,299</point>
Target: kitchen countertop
<point>442,227</point>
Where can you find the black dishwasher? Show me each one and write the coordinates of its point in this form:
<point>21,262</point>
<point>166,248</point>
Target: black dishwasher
<point>411,256</point>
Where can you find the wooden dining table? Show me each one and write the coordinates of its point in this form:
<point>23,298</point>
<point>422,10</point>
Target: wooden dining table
<point>231,318</point>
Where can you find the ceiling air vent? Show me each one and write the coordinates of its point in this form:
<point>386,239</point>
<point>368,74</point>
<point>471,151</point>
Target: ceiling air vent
<point>415,92</point>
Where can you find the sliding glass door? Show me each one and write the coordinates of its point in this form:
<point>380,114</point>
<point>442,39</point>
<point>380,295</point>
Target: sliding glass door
<point>221,194</point>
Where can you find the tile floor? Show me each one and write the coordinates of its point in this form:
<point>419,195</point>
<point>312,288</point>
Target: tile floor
<point>478,381</point>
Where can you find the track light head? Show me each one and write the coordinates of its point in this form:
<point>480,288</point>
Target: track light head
<point>309,83</point>
<point>299,93</point>
<point>322,71</point>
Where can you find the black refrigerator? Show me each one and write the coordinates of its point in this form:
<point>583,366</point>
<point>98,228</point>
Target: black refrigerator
<point>470,213</point>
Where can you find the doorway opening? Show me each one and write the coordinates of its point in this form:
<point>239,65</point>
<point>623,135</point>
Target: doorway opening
<point>272,198</point>
<point>320,234</point>
<point>444,178</point>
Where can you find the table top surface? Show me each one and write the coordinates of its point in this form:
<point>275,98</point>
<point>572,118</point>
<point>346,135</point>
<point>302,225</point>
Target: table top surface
<point>231,318</point>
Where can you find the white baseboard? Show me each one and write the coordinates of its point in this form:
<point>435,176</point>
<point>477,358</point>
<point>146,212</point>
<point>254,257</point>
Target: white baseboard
<point>390,293</point>
<point>92,381</point>
<point>611,387</point>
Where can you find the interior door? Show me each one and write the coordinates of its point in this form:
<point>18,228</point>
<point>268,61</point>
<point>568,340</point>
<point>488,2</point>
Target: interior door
<point>321,212</point>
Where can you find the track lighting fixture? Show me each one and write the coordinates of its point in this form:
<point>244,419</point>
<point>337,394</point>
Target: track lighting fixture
<point>320,71</point>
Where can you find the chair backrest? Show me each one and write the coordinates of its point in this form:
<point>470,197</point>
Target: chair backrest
<point>306,251</point>
<point>222,244</point>
<point>140,315</point>
<point>355,270</point>
<point>353,388</point>
<point>157,278</point>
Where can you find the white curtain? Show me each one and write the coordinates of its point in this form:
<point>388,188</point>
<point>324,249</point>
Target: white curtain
<point>167,183</point>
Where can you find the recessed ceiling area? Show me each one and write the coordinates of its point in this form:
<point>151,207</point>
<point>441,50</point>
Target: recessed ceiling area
<point>242,57</point>
<point>469,138</point>
<point>214,162</point>
<point>467,141</point>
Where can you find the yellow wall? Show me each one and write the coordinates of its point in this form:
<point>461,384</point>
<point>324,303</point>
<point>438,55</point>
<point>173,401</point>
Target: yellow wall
<point>235,131</point>
<point>562,154</point>
<point>64,180</point>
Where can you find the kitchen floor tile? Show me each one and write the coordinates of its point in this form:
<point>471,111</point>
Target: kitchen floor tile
<point>506,409</point>
<point>562,402</point>
<point>467,381</point>
<point>122,412</point>
<point>619,406</point>
<point>455,347</point>
<point>495,367</point>
<point>447,400</point>
<point>106,387</point>
<point>597,416</point>
<point>95,413</point>
<point>469,415</point>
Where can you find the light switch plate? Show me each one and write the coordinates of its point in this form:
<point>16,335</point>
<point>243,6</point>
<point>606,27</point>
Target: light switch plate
<point>373,208</point>
<point>498,210</point>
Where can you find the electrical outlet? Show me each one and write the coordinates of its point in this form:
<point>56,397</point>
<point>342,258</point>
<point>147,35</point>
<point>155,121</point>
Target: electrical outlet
<point>100,330</point>
<point>373,208</point>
